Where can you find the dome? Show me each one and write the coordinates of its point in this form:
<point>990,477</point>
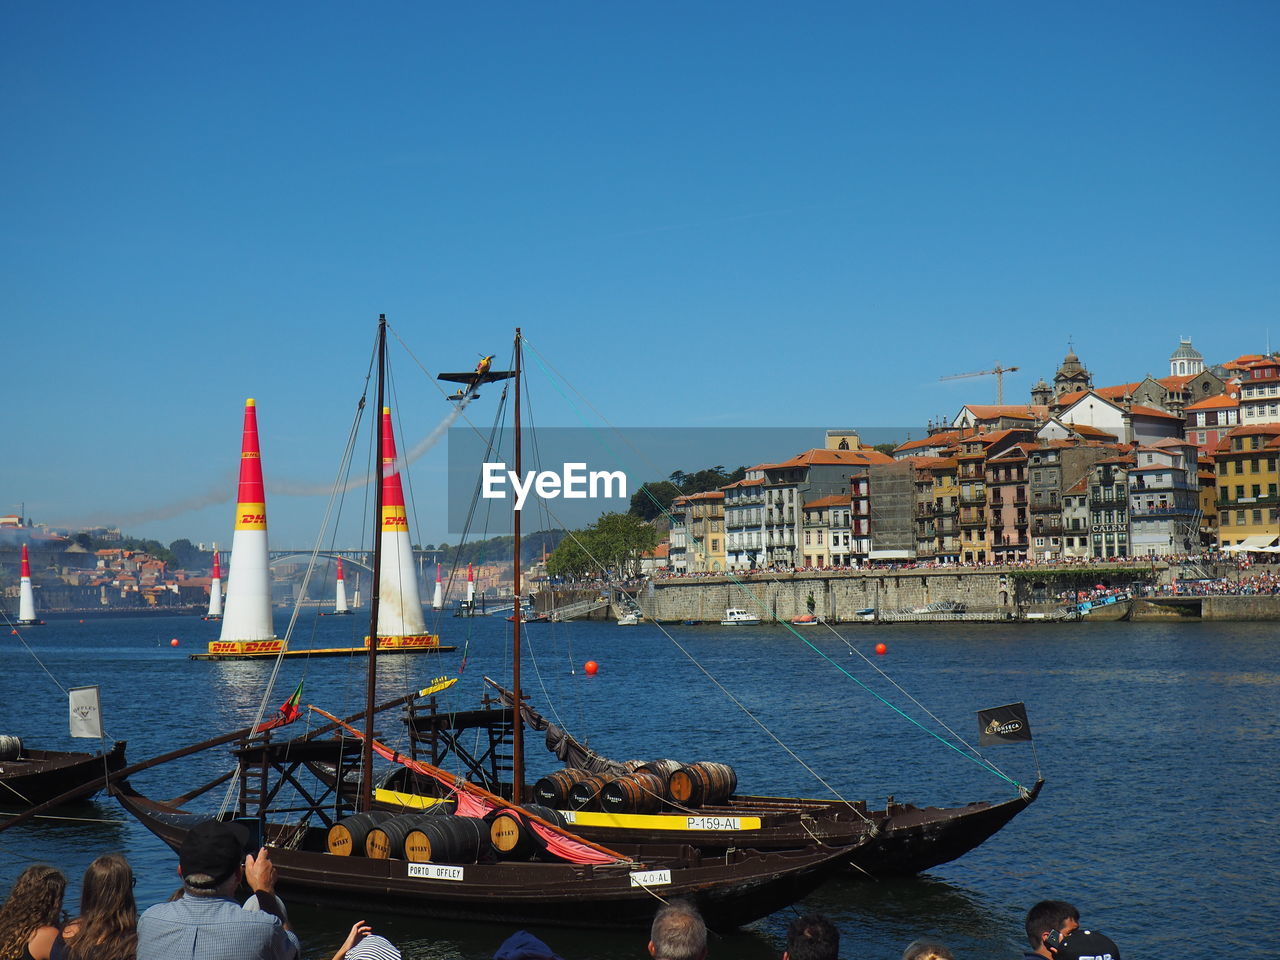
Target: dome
<point>1186,351</point>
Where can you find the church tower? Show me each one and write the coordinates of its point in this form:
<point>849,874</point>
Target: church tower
<point>1186,360</point>
<point>1071,376</point>
<point>1041,394</point>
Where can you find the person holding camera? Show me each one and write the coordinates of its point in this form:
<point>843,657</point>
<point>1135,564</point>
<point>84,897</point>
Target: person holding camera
<point>206,923</point>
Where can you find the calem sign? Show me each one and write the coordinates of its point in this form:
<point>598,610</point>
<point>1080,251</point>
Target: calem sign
<point>572,482</point>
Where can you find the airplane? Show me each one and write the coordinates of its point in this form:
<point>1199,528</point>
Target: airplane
<point>471,381</point>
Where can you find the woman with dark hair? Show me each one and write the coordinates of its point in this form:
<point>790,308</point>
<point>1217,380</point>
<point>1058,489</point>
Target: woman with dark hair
<point>107,928</point>
<point>30,917</point>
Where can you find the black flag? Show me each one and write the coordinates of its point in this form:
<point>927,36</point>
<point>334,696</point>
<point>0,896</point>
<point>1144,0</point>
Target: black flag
<point>1007,724</point>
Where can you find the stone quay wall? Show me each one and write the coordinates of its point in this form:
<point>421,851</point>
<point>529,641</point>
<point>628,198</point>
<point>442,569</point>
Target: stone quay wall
<point>837,595</point>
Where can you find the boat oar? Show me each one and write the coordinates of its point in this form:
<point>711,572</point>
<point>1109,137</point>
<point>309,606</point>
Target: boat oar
<point>98,782</point>
<point>475,790</point>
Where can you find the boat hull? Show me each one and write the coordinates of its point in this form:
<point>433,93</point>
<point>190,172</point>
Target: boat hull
<point>728,891</point>
<point>42,775</point>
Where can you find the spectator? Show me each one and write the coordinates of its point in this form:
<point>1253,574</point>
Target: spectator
<point>812,937</point>
<point>107,928</point>
<point>523,945</point>
<point>1048,925</point>
<point>363,944</point>
<point>927,950</point>
<point>678,933</point>
<point>30,918</point>
<point>205,923</point>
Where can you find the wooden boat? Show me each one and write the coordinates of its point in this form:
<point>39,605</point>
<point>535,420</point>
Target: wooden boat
<point>898,839</point>
<point>32,777</point>
<point>556,878</point>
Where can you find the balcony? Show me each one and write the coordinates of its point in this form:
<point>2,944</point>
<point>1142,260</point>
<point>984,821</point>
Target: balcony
<point>925,510</point>
<point>973,498</point>
<point>1054,507</point>
<point>1048,530</point>
<point>1161,511</point>
<point>973,518</point>
<point>1269,500</point>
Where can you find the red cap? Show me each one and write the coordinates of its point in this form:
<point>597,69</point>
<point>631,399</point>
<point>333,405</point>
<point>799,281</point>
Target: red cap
<point>251,488</point>
<point>26,564</point>
<point>339,568</point>
<point>217,566</point>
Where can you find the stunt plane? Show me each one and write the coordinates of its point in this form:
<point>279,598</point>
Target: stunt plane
<point>471,381</point>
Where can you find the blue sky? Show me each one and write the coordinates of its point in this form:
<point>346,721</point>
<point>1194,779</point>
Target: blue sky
<point>703,214</point>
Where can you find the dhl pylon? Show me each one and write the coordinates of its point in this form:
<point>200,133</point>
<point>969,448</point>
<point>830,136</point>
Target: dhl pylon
<point>26,597</point>
<point>437,601</point>
<point>400,621</point>
<point>340,593</point>
<point>247,616</point>
<point>215,589</point>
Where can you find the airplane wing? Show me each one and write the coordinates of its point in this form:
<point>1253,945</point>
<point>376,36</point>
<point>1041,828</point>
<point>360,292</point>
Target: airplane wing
<point>475,378</point>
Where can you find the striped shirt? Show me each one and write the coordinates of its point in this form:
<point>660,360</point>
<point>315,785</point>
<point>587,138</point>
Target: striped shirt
<point>211,928</point>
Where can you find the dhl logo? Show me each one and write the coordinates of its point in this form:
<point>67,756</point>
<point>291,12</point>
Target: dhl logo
<point>246,646</point>
<point>250,455</point>
<point>400,522</point>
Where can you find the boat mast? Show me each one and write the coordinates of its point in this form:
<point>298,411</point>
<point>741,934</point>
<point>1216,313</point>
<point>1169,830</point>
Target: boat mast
<point>517,726</point>
<point>366,753</point>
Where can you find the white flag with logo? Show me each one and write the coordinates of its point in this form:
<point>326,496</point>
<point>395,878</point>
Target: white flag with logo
<point>86,718</point>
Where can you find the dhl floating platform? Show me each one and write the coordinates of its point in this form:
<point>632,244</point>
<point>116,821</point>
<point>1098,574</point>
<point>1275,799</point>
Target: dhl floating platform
<point>269,649</point>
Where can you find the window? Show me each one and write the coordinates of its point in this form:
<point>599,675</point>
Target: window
<point>1257,516</point>
<point>715,546</point>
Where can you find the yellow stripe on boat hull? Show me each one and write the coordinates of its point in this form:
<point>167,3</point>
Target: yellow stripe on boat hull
<point>654,821</point>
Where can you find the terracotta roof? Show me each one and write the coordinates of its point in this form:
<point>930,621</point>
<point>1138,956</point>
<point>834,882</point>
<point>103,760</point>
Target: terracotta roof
<point>1177,383</point>
<point>1152,412</point>
<point>1081,486</point>
<point>743,483</point>
<point>706,495</point>
<point>836,500</point>
<point>1214,403</point>
<point>1022,411</point>
<point>935,440</point>
<point>660,552</point>
<point>1084,430</point>
<point>819,455</point>
<point>1172,442</point>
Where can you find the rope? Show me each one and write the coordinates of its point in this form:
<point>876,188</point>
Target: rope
<point>753,598</point>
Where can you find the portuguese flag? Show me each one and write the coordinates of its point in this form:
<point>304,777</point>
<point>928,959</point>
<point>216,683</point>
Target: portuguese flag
<point>289,711</point>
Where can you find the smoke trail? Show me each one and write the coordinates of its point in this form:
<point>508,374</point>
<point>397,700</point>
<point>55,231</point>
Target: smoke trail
<point>224,491</point>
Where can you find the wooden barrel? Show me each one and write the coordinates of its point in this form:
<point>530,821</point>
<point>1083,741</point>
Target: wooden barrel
<point>546,813</point>
<point>10,747</point>
<point>585,794</point>
<point>511,837</point>
<point>447,840</point>
<point>662,769</point>
<point>386,840</point>
<point>703,783</point>
<point>553,789</point>
<point>347,836</point>
<point>639,792</point>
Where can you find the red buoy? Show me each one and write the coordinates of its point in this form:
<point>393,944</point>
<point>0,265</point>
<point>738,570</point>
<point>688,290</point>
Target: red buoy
<point>590,668</point>
<point>881,649</point>
<point>173,642</point>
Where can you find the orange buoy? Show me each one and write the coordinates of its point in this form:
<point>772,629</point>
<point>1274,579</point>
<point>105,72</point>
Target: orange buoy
<point>881,649</point>
<point>590,668</point>
<point>173,642</point>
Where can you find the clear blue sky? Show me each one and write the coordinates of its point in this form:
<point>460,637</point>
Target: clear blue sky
<point>733,213</point>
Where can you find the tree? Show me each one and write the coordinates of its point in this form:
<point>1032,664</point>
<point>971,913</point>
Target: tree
<point>610,548</point>
<point>187,555</point>
<point>653,499</point>
<point>886,448</point>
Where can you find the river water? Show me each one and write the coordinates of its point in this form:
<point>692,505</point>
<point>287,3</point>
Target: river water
<point>1159,744</point>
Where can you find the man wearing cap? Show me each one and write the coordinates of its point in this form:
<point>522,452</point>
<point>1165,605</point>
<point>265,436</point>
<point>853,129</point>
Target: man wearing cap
<point>205,923</point>
<point>1054,932</point>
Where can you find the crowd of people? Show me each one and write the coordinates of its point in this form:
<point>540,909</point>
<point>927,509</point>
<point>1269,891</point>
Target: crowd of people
<point>204,921</point>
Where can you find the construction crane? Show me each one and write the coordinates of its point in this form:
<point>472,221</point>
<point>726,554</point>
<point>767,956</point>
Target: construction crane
<point>998,372</point>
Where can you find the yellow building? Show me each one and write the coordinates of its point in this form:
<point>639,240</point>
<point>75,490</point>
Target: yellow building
<point>704,524</point>
<point>946,508</point>
<point>1248,484</point>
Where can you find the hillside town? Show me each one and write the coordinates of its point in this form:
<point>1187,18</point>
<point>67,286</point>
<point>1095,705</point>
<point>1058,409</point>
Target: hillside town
<point>1178,465</point>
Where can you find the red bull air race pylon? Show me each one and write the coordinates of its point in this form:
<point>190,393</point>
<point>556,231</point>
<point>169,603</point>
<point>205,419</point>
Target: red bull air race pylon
<point>437,601</point>
<point>340,608</point>
<point>246,622</point>
<point>215,589</point>
<point>400,622</point>
<point>26,597</point>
